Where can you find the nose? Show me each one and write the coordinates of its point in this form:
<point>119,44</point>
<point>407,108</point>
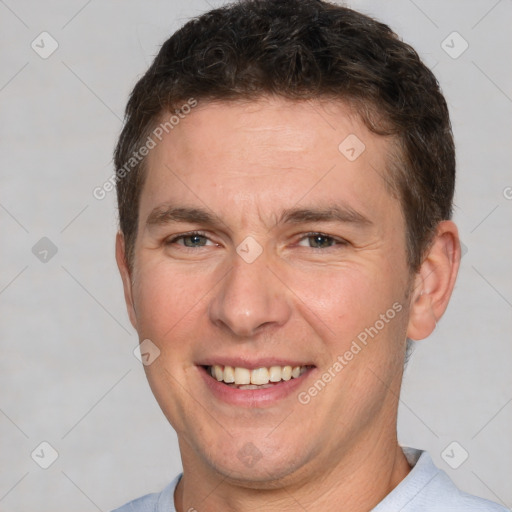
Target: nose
<point>250,299</point>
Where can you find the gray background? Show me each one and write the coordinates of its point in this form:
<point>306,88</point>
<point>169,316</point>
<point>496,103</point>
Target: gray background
<point>68,375</point>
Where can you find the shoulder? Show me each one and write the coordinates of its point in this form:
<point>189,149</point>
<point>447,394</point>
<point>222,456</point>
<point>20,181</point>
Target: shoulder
<point>156,502</point>
<point>479,504</point>
<point>445,496</point>
<point>429,489</point>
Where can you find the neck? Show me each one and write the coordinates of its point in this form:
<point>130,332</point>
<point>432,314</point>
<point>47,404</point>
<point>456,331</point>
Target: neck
<point>362,478</point>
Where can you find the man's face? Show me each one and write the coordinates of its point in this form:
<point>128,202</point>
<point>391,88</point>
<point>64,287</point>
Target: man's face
<point>324,266</point>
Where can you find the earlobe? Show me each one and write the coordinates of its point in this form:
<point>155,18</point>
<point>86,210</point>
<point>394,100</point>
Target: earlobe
<point>126,278</point>
<point>434,282</point>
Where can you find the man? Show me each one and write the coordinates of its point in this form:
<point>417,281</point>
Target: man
<point>285,180</point>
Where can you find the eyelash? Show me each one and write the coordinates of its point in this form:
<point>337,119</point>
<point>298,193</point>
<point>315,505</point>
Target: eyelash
<point>185,235</point>
<point>337,241</point>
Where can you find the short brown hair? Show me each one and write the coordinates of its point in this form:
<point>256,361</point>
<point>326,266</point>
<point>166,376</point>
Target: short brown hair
<point>300,50</point>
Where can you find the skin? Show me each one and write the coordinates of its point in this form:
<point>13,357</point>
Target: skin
<point>299,300</point>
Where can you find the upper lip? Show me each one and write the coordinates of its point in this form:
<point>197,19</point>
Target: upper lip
<point>251,364</point>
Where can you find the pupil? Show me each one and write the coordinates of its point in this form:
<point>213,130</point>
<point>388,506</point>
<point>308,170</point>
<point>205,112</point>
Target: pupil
<point>321,241</point>
<point>195,240</point>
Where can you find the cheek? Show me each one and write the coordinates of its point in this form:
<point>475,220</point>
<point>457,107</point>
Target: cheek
<point>165,299</point>
<point>343,301</point>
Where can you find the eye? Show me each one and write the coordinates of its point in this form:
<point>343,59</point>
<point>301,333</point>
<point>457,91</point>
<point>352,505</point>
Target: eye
<point>319,241</point>
<point>191,240</point>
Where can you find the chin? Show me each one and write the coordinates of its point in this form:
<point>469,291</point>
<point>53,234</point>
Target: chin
<point>260,476</point>
<point>242,463</point>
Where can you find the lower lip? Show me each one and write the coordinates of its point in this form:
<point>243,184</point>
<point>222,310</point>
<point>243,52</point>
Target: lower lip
<point>252,397</point>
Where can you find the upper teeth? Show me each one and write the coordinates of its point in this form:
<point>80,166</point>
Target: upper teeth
<point>258,376</point>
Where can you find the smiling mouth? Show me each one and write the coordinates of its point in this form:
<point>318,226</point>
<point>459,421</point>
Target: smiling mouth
<point>257,378</point>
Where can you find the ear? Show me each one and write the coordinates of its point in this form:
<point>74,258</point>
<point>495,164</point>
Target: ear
<point>124,270</point>
<point>434,282</point>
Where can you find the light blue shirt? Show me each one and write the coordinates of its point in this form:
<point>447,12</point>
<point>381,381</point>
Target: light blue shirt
<point>425,489</point>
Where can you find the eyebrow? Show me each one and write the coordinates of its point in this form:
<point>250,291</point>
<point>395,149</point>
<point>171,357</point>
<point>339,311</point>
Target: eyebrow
<point>167,213</point>
<point>333,213</point>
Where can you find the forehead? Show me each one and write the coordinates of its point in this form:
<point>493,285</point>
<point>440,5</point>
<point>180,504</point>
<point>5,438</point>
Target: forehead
<point>267,154</point>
